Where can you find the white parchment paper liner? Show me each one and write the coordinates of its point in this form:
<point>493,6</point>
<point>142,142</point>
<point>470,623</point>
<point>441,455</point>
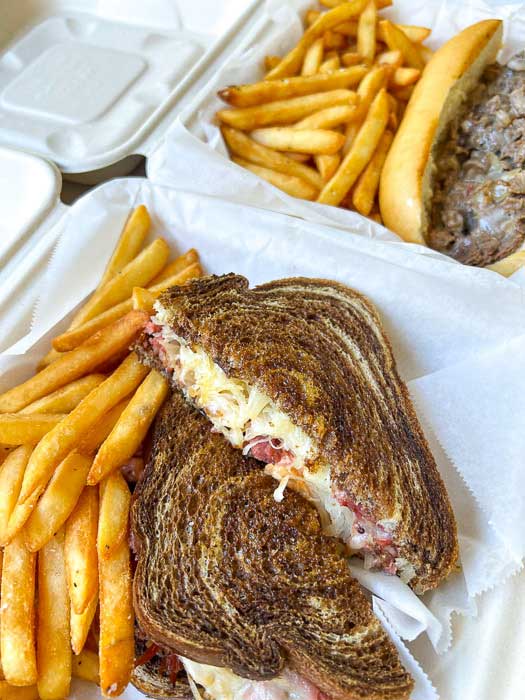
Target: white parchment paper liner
<point>447,324</point>
<point>195,139</point>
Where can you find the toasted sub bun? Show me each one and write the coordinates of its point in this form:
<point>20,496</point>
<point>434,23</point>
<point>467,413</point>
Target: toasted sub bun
<point>405,194</point>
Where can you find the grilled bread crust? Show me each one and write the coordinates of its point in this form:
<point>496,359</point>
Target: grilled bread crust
<point>318,349</point>
<point>229,577</point>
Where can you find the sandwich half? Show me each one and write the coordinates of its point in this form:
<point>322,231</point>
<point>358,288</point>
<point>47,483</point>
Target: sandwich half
<point>249,594</point>
<point>299,374</point>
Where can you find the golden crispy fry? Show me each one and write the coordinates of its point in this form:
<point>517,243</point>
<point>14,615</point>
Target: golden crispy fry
<point>334,40</point>
<point>425,53</point>
<point>80,624</point>
<point>12,692</point>
<point>310,17</point>
<point>327,165</point>
<point>393,121</point>
<point>404,93</point>
<point>11,476</point>
<point>366,32</point>
<point>137,273</point>
<point>131,428</point>
<point>395,38</point>
<point>129,244</point>
<point>299,140</point>
<point>96,436</point>
<point>115,501</point>
<point>351,58</point>
<point>331,64</point>
<point>67,397</point>
<point>285,111</point>
<point>16,429</point>
<point>294,186</point>
<point>143,299</point>
<point>313,57</point>
<point>413,33</point>
<point>18,614</point>
<point>270,62</point>
<point>328,118</point>
<point>117,640</point>
<point>360,153</point>
<point>104,345</point>
<point>405,76</point>
<point>66,435</point>
<point>58,500</point>
<point>73,338</point>
<point>367,90</point>
<point>53,648</point>
<point>242,145</point>
<point>380,4</point>
<point>291,63</point>
<point>366,187</point>
<point>178,265</point>
<point>390,58</point>
<point>376,216</point>
<point>80,550</point>
<point>298,157</point>
<point>268,91</point>
<point>348,28</point>
<point>85,666</point>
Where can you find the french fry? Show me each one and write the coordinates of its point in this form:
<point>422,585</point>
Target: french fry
<point>270,62</point>
<point>310,17</point>
<point>413,33</point>
<point>366,187</point>
<point>313,57</point>
<point>291,63</point>
<point>16,429</point>
<point>102,428</point>
<point>102,346</point>
<point>390,58</point>
<point>360,152</point>
<point>321,141</point>
<point>11,476</point>
<point>425,53</point>
<point>393,121</point>
<point>53,647</point>
<point>115,501</point>
<point>80,624</point>
<point>334,40</point>
<point>367,90</point>
<point>129,244</point>
<point>396,39</point>
<point>178,265</point>
<point>269,91</point>
<point>366,32</point>
<point>117,640</point>
<point>405,76</point>
<point>66,398</point>
<point>12,692</point>
<point>351,58</point>
<point>131,428</point>
<point>80,550</point>
<point>137,273</point>
<point>404,93</point>
<point>58,501</point>
<point>75,337</point>
<point>243,146</point>
<point>143,299</point>
<point>327,165</point>
<point>328,118</point>
<point>331,64</point>
<point>85,666</point>
<point>348,28</point>
<point>17,636</point>
<point>285,111</point>
<point>380,4</point>
<point>294,186</point>
<point>298,157</point>
<point>56,444</point>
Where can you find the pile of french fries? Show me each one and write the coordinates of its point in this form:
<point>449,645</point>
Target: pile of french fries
<point>320,123</point>
<point>65,435</point>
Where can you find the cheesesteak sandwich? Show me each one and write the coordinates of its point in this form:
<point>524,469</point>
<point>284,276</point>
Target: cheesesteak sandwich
<point>247,592</point>
<point>454,177</point>
<point>299,374</point>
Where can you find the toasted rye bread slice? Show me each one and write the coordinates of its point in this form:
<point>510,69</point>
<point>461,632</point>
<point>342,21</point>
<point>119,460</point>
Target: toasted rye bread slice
<point>318,350</point>
<point>229,577</point>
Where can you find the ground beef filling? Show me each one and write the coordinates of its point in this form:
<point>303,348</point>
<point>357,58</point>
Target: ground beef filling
<point>478,209</point>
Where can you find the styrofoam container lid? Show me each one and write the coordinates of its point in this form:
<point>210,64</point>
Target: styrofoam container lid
<point>86,84</point>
